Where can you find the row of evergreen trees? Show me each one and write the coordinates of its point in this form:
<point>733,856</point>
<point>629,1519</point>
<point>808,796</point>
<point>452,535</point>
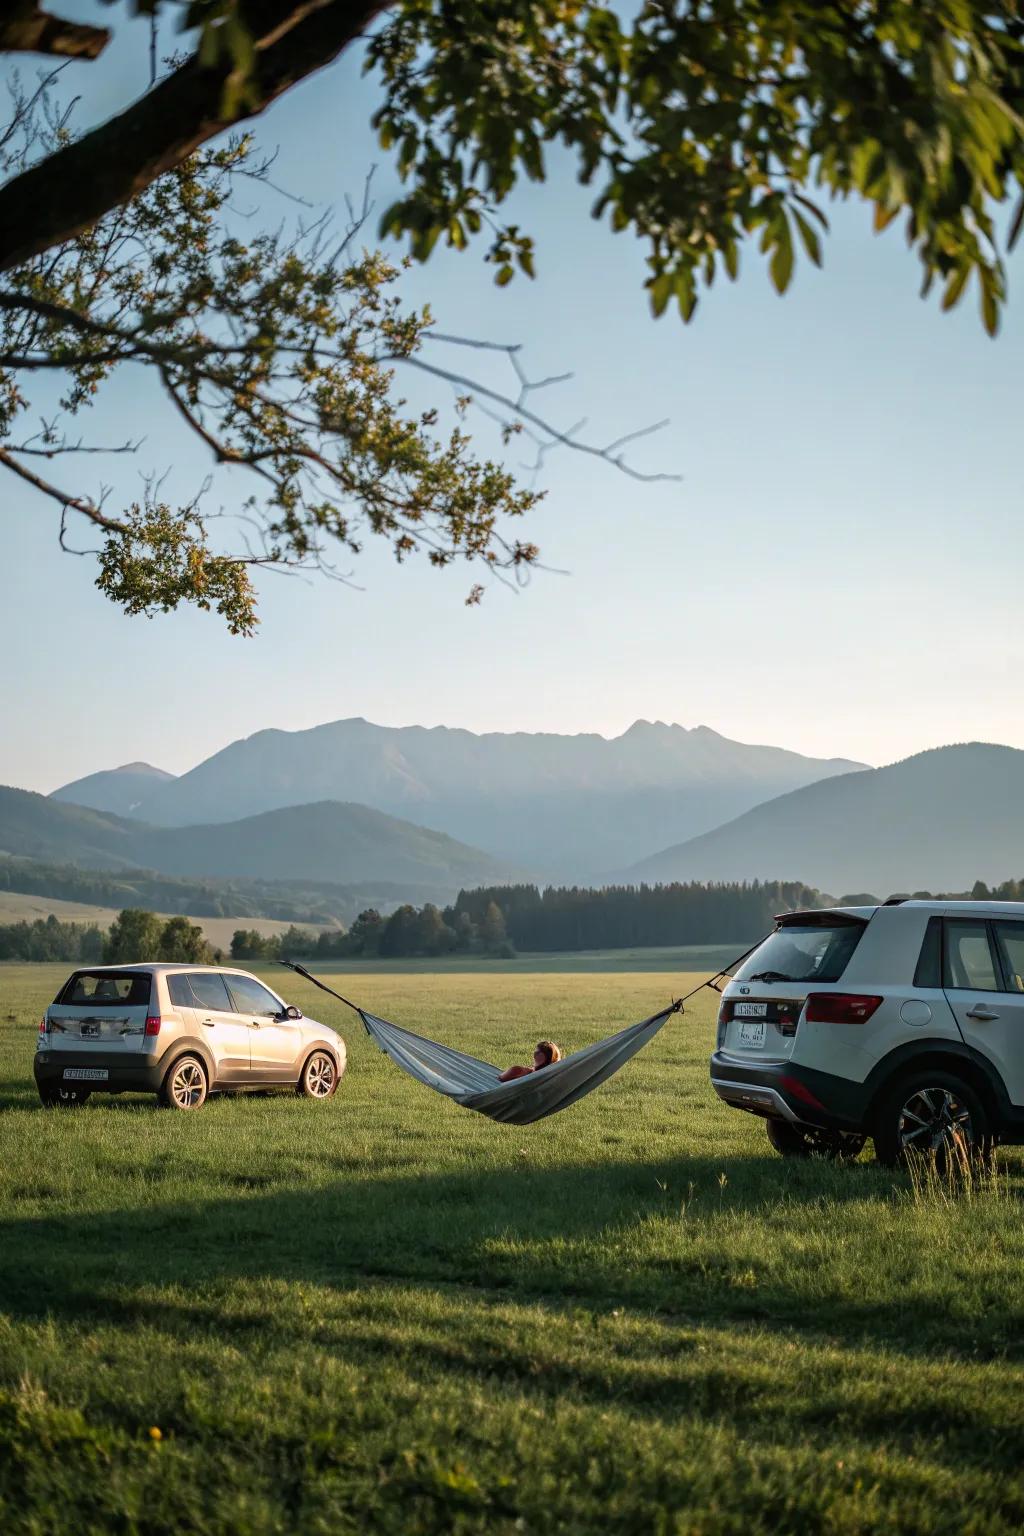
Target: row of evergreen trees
<point>494,920</point>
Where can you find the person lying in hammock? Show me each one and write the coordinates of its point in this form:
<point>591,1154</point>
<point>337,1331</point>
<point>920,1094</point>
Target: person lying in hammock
<point>546,1053</point>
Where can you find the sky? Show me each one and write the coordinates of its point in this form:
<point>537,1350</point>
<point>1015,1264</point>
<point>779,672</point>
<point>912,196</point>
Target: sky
<point>836,570</point>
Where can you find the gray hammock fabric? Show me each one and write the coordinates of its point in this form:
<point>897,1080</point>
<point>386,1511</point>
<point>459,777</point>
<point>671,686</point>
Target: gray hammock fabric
<point>474,1084</point>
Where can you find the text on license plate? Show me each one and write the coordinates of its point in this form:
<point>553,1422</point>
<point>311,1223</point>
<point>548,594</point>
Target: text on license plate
<point>87,1074</point>
<point>752,1033</point>
<point>750,1011</point>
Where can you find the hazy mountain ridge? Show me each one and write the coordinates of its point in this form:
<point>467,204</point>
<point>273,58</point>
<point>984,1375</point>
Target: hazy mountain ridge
<point>562,805</point>
<point>938,821</point>
<point>335,843</point>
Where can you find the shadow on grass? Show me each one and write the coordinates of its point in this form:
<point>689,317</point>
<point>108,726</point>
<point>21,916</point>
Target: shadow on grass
<point>564,1238</point>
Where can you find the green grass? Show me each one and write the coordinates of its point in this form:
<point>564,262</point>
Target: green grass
<point>387,1314</point>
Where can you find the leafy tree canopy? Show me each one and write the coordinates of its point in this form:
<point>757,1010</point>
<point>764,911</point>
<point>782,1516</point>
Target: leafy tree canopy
<point>704,126</point>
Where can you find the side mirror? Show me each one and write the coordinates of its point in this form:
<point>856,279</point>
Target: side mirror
<point>291,1012</point>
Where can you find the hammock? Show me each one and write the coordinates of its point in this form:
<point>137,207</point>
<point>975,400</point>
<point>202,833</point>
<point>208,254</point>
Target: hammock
<point>475,1084</point>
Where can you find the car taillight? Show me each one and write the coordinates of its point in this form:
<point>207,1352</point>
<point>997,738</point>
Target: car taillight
<point>840,1007</point>
<point>723,1018</point>
<point>153,1026</point>
<point>44,1027</point>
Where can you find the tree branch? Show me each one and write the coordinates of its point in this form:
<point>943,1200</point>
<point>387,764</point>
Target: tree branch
<point>32,30</point>
<point>70,189</point>
<point>88,509</point>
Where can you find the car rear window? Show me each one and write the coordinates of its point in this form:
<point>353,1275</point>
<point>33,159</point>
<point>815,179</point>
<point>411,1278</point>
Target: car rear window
<point>98,989</point>
<point>818,951</point>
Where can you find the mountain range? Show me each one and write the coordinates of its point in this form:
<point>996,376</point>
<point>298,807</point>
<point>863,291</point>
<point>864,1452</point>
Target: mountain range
<point>319,805</point>
<point>565,807</point>
<point>938,821</point>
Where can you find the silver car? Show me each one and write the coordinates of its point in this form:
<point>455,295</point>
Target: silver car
<point>181,1032</point>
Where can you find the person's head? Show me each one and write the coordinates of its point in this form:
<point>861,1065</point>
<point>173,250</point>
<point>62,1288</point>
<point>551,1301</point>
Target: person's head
<point>547,1052</point>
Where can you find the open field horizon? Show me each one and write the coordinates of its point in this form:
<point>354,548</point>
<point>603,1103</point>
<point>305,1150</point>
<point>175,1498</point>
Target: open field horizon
<point>388,1314</point>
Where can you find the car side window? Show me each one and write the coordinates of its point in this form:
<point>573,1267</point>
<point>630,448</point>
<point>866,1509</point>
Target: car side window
<point>209,991</point>
<point>929,963</point>
<point>969,964</point>
<point>252,997</point>
<point>179,991</point>
<point>1010,939</point>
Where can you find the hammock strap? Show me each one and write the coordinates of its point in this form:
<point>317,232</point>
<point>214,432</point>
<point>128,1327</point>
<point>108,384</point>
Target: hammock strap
<point>293,965</point>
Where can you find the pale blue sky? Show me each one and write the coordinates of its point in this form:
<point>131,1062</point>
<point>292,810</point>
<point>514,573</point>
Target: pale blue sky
<point>838,571</point>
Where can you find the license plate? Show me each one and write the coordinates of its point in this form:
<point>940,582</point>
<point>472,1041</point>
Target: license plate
<point>752,1033</point>
<point>750,1011</point>
<point>87,1074</point>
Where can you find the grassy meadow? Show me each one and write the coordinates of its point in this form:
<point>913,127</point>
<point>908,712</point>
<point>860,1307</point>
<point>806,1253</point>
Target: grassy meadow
<point>386,1314</point>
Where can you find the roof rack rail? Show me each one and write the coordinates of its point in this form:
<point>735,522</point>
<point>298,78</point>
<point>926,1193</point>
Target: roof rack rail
<point>895,901</point>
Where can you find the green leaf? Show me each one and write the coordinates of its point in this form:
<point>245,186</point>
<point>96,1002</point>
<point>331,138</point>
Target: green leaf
<point>1016,224</point>
<point>660,290</point>
<point>955,287</point>
<point>781,266</point>
<point>809,236</point>
<point>504,275</point>
<point>989,308</point>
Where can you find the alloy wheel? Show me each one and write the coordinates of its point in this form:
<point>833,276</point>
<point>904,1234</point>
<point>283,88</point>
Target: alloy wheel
<point>188,1085</point>
<point>934,1120</point>
<point>320,1077</point>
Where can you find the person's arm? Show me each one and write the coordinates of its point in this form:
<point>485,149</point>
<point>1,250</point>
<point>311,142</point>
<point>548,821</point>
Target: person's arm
<point>513,1072</point>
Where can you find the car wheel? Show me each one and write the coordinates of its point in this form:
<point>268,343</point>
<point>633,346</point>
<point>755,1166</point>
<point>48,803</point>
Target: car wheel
<point>319,1078</point>
<point>936,1115</point>
<point>64,1098</point>
<point>185,1086</point>
<point>806,1141</point>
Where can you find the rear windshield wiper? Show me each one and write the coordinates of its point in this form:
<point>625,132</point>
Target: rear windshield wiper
<point>772,976</point>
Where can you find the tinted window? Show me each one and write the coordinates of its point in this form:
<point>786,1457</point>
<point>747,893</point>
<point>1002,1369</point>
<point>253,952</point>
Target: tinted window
<point>101,989</point>
<point>1010,938</point>
<point>251,996</point>
<point>209,991</point>
<point>969,962</point>
<point>929,965</point>
<point>803,952</point>
<point>178,990</point>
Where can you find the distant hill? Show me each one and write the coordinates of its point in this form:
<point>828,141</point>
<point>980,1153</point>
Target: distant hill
<point>565,806</point>
<point>39,827</point>
<point>288,901</point>
<point>118,790</point>
<point>326,841</point>
<point>937,821</point>
<point>336,843</point>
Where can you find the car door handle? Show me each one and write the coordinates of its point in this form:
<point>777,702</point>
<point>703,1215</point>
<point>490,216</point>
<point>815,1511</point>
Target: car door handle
<point>979,1011</point>
<point>210,1022</point>
<point>254,1023</point>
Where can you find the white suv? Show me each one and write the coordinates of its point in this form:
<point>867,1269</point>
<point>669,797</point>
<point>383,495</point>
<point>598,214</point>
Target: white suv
<point>903,1022</point>
<point>181,1032</point>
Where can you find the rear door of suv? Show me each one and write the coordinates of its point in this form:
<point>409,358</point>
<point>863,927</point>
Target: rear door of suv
<point>983,977</point>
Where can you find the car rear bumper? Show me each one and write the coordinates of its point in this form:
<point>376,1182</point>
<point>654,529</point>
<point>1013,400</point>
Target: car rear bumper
<point>135,1074</point>
<point>790,1092</point>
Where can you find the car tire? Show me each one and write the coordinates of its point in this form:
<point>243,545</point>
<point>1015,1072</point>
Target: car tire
<point>64,1098</point>
<point>805,1141</point>
<point>319,1079</point>
<point>186,1085</point>
<point>932,1113</point>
